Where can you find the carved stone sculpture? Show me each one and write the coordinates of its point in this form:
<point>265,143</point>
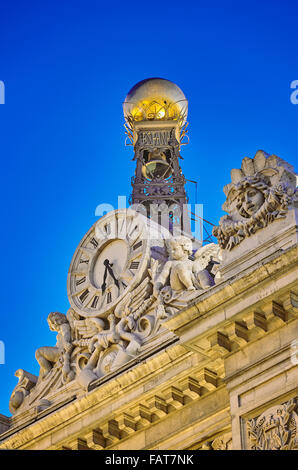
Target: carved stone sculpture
<point>89,347</point>
<point>26,382</point>
<point>179,268</point>
<point>47,356</point>
<point>260,192</point>
<point>184,275</point>
<point>223,442</point>
<point>99,340</point>
<point>275,429</point>
<point>119,341</point>
<point>182,272</point>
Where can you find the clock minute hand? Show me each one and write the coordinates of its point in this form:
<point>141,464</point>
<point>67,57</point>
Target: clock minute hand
<point>108,267</point>
<point>103,286</point>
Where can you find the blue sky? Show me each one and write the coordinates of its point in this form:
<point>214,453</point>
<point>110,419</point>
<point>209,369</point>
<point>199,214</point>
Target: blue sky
<point>67,67</point>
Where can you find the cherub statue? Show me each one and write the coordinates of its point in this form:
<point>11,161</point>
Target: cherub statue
<point>178,269</point>
<point>47,356</point>
<point>181,272</point>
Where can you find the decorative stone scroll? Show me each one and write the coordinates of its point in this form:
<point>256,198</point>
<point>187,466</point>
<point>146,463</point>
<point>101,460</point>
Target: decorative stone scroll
<point>260,192</point>
<point>26,382</point>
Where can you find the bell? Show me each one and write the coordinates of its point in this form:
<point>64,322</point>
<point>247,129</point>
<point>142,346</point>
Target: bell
<point>157,166</point>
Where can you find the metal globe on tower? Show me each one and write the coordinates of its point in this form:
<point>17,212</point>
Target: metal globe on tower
<point>155,112</point>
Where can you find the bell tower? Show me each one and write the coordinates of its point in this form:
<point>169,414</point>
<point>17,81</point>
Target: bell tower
<point>155,112</point>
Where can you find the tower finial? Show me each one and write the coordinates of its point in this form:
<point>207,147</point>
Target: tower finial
<point>155,112</point>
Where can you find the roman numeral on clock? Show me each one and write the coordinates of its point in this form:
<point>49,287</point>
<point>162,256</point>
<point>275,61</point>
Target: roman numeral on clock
<point>109,297</point>
<point>137,245</point>
<point>134,265</point>
<point>80,281</point>
<point>108,228</point>
<point>133,230</point>
<point>84,295</point>
<point>95,302</point>
<point>94,242</point>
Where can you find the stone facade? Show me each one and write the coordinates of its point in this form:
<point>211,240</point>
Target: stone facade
<point>220,372</point>
<point>169,347</point>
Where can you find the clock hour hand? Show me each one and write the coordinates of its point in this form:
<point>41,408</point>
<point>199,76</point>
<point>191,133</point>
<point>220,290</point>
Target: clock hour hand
<point>108,268</point>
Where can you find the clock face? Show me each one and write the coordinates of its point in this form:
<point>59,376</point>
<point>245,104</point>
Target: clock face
<point>110,260</point>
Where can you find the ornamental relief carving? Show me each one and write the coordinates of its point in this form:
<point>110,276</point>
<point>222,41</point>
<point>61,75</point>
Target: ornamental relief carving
<point>88,348</point>
<point>223,442</point>
<point>275,429</point>
<point>260,192</point>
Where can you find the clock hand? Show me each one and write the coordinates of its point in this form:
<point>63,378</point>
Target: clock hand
<point>108,267</point>
<point>103,286</point>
